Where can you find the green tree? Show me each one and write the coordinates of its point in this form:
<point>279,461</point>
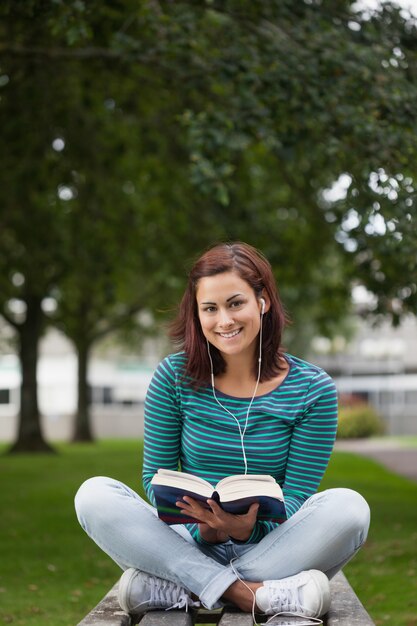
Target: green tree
<point>374,211</point>
<point>33,249</point>
<point>226,119</point>
<point>121,240</point>
<point>325,92</point>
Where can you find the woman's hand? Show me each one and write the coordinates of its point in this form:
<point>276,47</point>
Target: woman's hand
<point>211,535</point>
<point>215,524</point>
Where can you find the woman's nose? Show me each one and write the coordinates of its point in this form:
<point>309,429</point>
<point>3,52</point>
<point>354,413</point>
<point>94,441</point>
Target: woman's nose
<point>226,319</point>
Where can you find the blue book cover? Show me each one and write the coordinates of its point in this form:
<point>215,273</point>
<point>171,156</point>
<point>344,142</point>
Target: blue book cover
<point>235,501</point>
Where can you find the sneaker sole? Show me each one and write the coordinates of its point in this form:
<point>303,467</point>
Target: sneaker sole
<point>322,584</point>
<point>124,588</point>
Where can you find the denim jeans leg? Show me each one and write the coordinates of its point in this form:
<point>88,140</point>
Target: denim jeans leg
<point>124,526</point>
<point>324,534</point>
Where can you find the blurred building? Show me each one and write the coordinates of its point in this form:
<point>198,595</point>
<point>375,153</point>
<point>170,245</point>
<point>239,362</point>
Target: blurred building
<point>379,366</point>
<point>118,384</point>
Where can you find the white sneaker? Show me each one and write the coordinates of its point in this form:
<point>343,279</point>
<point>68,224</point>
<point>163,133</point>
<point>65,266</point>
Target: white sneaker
<point>138,592</point>
<point>305,594</point>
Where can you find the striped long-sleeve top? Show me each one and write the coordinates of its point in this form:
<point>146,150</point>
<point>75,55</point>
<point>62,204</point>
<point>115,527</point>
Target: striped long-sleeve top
<point>290,432</point>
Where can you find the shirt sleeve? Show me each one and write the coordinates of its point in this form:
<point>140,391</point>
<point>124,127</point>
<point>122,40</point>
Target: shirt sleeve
<point>311,443</point>
<point>162,439</point>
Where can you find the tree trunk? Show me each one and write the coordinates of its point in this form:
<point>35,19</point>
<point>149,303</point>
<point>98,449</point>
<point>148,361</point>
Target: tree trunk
<point>30,437</point>
<point>82,426</point>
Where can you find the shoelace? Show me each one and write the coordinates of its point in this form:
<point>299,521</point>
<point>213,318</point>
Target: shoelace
<point>165,592</point>
<point>184,601</point>
<point>287,598</point>
<point>307,621</point>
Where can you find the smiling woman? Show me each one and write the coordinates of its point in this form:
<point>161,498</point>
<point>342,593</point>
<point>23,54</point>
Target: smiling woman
<point>231,402</point>
<point>229,314</point>
<point>241,276</point>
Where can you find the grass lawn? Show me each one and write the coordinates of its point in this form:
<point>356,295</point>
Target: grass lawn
<point>52,574</point>
<point>384,573</point>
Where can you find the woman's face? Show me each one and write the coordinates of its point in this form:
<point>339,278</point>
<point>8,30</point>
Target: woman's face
<point>229,313</point>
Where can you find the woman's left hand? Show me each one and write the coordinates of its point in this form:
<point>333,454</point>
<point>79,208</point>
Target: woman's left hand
<point>217,525</point>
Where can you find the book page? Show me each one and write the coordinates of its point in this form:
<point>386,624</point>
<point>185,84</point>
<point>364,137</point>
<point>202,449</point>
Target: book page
<point>240,486</point>
<point>253,479</point>
<point>182,480</point>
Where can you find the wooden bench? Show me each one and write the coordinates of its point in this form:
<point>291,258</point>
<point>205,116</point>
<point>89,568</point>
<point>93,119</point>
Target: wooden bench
<point>345,610</point>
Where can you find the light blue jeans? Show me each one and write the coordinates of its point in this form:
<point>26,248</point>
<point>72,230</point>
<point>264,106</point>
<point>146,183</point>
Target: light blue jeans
<point>323,534</point>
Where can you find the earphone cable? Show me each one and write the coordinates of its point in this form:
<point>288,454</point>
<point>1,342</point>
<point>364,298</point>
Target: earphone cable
<point>241,432</point>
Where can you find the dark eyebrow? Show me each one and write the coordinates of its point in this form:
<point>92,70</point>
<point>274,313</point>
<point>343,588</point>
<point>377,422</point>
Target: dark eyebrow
<point>228,299</point>
<point>235,296</point>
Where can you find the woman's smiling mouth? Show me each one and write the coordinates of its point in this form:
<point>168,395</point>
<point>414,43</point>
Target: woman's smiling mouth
<point>230,334</point>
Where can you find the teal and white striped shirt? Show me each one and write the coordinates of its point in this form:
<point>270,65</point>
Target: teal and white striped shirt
<point>290,432</point>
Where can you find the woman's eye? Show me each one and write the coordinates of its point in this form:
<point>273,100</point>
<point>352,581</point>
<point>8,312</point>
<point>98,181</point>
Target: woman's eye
<point>209,309</point>
<point>236,303</point>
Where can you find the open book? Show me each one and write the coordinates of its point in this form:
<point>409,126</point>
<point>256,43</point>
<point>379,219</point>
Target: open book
<point>234,494</point>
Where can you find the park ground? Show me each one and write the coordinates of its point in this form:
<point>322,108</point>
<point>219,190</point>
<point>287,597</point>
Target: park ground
<point>52,574</point>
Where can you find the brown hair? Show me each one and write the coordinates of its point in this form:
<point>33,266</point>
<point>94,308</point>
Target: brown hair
<point>185,330</point>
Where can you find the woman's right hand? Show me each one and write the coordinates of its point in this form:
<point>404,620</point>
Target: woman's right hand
<point>222,525</point>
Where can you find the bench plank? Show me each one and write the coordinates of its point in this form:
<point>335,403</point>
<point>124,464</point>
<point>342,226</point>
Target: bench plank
<point>167,618</point>
<point>233,618</point>
<point>346,609</point>
<point>107,612</point>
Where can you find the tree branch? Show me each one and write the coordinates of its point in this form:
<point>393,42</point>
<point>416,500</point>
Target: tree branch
<point>61,53</point>
<point>117,322</point>
<point>10,320</point>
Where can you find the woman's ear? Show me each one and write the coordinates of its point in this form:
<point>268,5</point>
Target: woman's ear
<point>264,304</point>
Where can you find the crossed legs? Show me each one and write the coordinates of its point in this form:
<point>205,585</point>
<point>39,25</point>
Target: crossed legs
<point>324,534</point>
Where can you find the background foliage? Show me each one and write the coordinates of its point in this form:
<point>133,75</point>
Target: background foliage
<point>359,421</point>
<point>139,133</point>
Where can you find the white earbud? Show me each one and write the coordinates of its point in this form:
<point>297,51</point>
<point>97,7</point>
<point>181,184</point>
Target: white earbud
<point>263,303</point>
